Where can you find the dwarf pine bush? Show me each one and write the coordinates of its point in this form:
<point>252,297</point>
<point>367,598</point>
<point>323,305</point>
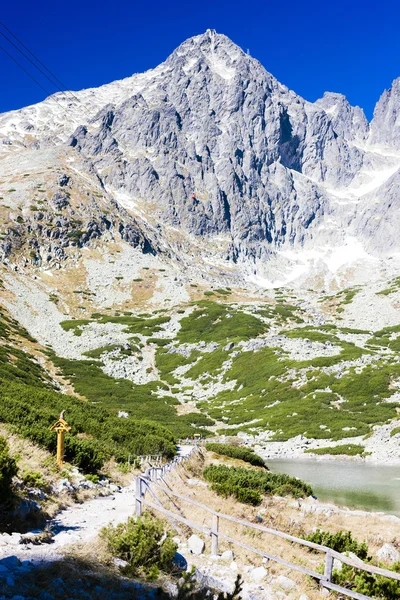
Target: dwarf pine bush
<point>246,454</point>
<point>8,468</point>
<point>373,586</point>
<point>248,485</point>
<point>144,543</point>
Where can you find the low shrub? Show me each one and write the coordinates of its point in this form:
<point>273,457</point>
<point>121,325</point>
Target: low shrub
<point>8,469</point>
<point>342,541</point>
<point>362,582</point>
<point>144,543</point>
<point>33,479</point>
<point>348,449</point>
<point>245,454</point>
<point>372,586</point>
<point>248,485</point>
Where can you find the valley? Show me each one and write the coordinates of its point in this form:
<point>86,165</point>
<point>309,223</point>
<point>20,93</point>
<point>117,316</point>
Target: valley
<point>199,252</point>
<point>287,370</point>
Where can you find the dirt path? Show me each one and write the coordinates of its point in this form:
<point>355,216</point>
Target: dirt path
<point>78,523</point>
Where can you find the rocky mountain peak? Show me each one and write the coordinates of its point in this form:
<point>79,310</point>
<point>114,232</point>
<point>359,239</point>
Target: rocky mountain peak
<point>385,125</point>
<point>348,121</point>
<point>211,145</point>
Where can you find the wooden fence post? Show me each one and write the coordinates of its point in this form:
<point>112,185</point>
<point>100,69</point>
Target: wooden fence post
<point>328,568</point>
<point>138,503</point>
<point>214,534</point>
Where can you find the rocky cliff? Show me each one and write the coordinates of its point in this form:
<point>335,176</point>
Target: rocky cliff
<point>206,154</point>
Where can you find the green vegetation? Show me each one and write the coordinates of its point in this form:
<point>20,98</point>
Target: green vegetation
<point>132,324</point>
<point>349,449</point>
<point>96,434</point>
<point>372,586</point>
<point>167,362</point>
<point>395,431</point>
<point>141,401</point>
<point>342,541</point>
<point>248,485</point>
<point>145,543</point>
<point>394,286</point>
<point>8,469</point>
<point>31,405</point>
<point>388,337</point>
<point>343,297</point>
<point>208,364</point>
<point>123,351</point>
<point>33,479</point>
<point>295,397</point>
<point>245,454</point>
<point>212,322</point>
<point>282,312</point>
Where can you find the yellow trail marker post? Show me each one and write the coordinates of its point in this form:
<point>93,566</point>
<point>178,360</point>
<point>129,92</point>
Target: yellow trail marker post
<point>61,426</point>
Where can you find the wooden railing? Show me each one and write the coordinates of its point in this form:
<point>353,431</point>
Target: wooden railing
<point>145,484</point>
<point>150,459</point>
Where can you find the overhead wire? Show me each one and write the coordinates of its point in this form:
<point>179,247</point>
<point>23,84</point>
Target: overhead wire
<point>32,63</point>
<point>33,78</point>
<point>53,78</point>
<point>35,57</point>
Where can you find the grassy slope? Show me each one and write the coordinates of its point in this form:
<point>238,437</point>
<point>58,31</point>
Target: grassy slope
<point>324,397</point>
<point>30,403</point>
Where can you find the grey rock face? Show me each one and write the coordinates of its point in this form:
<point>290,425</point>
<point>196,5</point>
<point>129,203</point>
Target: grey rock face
<point>210,144</point>
<point>385,126</point>
<point>348,121</point>
<point>215,148</point>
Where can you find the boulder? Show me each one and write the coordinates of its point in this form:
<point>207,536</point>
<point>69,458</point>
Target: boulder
<point>10,562</point>
<point>228,555</point>
<point>337,564</point>
<point>388,553</point>
<point>196,545</point>
<point>258,574</point>
<point>285,583</point>
<point>118,562</point>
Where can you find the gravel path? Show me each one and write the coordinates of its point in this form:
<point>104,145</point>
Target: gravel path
<point>77,524</point>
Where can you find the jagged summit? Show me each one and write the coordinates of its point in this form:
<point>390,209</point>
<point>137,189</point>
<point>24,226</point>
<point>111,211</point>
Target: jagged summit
<point>210,146</point>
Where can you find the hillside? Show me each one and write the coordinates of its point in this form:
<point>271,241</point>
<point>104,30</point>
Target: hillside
<point>226,361</point>
<point>208,160</point>
<point>199,249</point>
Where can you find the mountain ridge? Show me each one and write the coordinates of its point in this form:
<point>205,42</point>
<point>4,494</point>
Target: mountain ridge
<point>210,144</point>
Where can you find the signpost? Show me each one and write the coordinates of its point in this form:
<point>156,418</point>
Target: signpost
<point>61,426</point>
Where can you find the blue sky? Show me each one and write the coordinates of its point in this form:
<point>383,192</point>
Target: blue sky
<point>352,47</point>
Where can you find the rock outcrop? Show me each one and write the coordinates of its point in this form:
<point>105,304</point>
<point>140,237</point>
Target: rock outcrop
<point>211,145</point>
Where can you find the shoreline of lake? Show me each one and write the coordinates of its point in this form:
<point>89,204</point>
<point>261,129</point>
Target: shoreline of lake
<point>355,485</point>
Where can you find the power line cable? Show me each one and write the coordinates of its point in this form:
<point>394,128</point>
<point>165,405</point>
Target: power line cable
<point>39,61</point>
<point>33,78</point>
<point>64,91</point>
<point>32,63</point>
